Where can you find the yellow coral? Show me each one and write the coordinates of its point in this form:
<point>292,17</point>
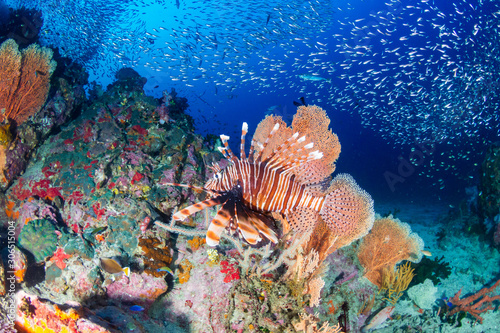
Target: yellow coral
<point>3,161</point>
<point>395,282</point>
<point>185,269</point>
<point>5,135</point>
<point>213,255</point>
<point>72,314</point>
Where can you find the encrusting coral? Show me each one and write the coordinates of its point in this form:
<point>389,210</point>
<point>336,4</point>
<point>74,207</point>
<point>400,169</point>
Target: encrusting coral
<point>184,271</point>
<point>155,257</point>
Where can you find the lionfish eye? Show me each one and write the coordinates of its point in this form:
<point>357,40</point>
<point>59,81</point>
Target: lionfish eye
<point>217,175</point>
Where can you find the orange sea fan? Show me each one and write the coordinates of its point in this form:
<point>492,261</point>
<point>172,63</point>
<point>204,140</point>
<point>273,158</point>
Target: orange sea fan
<point>311,122</point>
<point>389,242</point>
<point>24,80</point>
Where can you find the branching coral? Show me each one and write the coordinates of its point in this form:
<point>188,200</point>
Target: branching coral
<point>395,282</point>
<point>475,304</point>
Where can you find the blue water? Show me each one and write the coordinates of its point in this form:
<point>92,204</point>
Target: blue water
<point>234,60</point>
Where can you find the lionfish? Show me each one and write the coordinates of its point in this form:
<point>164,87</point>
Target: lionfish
<point>284,177</point>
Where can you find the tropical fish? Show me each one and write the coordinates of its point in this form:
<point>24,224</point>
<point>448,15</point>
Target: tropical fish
<point>274,109</point>
<point>97,230</point>
<point>112,266</point>
<point>136,308</point>
<point>285,178</point>
<point>165,269</point>
<point>302,102</point>
<point>426,253</point>
<point>308,77</point>
<point>379,318</point>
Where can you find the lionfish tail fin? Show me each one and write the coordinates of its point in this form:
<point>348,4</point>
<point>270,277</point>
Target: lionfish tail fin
<point>347,209</point>
<point>252,223</point>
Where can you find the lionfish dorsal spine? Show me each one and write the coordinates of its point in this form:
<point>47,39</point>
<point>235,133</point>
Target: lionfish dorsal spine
<point>223,152</point>
<point>279,154</point>
<point>250,153</point>
<point>304,159</point>
<point>244,131</point>
<point>289,157</point>
<point>273,131</point>
<point>229,154</point>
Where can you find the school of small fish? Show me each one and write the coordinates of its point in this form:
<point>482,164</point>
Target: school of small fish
<point>421,71</point>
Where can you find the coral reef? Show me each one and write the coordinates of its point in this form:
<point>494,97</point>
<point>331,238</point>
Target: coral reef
<point>140,289</point>
<point>25,91</point>
<point>98,188</point>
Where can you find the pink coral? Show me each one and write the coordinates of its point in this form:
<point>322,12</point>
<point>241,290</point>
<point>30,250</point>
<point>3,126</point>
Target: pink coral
<point>231,272</point>
<point>59,256</point>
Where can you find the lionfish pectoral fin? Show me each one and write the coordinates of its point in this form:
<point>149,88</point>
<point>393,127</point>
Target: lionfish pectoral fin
<point>248,232</point>
<point>195,208</point>
<point>217,226</point>
<point>302,219</point>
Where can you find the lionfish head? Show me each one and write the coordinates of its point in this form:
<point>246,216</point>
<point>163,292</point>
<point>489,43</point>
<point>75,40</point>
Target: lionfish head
<point>219,181</point>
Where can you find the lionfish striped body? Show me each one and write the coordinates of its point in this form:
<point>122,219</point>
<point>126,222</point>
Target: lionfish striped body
<point>252,187</point>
